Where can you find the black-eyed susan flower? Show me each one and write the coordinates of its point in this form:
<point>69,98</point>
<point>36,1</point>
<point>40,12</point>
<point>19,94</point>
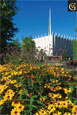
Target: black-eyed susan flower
<point>67,90</point>
<point>15,103</point>
<point>15,112</point>
<point>51,108</point>
<point>67,113</point>
<point>13,81</point>
<point>42,99</point>
<point>10,93</point>
<point>64,104</point>
<point>53,89</point>
<point>20,107</point>
<point>50,94</point>
<point>17,85</point>
<point>58,104</point>
<point>7,97</point>
<point>74,110</point>
<point>36,114</point>
<point>2,102</point>
<point>42,112</point>
<point>1,90</point>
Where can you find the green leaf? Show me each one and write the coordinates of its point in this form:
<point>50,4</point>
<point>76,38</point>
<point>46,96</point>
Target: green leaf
<point>34,106</point>
<point>20,97</point>
<point>27,99</point>
<point>75,102</point>
<point>39,102</point>
<point>1,108</point>
<point>34,96</point>
<point>26,92</point>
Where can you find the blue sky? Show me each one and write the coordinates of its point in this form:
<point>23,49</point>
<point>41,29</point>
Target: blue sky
<point>32,18</point>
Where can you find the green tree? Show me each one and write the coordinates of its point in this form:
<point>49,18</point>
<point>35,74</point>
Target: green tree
<point>28,48</point>
<point>74,49</point>
<point>75,43</point>
<point>7,28</point>
<point>76,26</point>
<point>28,44</point>
<point>15,44</point>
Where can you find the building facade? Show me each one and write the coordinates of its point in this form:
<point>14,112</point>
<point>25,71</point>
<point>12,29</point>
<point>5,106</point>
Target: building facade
<point>54,45</point>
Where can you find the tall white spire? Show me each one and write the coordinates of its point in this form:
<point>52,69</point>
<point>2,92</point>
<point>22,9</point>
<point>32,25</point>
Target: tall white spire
<point>49,21</point>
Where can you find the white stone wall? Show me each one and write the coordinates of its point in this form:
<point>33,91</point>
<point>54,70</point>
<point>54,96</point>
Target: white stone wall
<point>54,45</point>
<point>45,43</point>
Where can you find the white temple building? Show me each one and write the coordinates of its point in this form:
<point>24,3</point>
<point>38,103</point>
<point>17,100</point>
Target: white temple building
<point>52,44</point>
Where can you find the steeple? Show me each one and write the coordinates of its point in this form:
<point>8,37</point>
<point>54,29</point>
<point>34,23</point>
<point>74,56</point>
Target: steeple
<point>49,21</point>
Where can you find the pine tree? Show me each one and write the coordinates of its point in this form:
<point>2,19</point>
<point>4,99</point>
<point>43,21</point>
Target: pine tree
<point>7,30</point>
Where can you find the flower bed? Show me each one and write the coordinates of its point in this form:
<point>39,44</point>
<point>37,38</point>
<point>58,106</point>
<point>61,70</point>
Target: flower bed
<point>27,89</point>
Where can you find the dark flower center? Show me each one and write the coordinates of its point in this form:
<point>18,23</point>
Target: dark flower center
<point>15,111</point>
<point>15,101</point>
<point>19,106</point>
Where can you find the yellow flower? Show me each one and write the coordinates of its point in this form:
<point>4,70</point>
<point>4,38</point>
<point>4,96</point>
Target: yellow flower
<point>59,104</point>
<point>42,112</point>
<point>42,99</point>
<point>69,76</point>
<point>65,75</point>
<point>59,83</point>
<point>57,64</point>
<point>56,81</point>
<point>15,112</point>
<point>74,110</point>
<point>13,81</point>
<point>9,94</point>
<point>36,113</point>
<point>67,90</point>
<point>5,86</point>
<point>7,81</point>
<point>15,103</point>
<point>58,88</point>
<point>51,107</point>
<point>59,96</point>
<point>66,97</point>
<point>67,113</point>
<point>68,102</point>
<point>1,90</point>
<point>47,85</point>
<point>1,102</point>
<point>57,113</point>
<point>53,81</point>
<point>20,73</point>
<point>62,69</point>
<point>20,107</point>
<point>8,97</point>
<point>16,85</point>
<point>50,94</point>
<point>52,89</point>
<point>64,104</point>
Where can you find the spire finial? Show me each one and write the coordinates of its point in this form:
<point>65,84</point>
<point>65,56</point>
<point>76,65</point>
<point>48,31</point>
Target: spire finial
<point>50,21</point>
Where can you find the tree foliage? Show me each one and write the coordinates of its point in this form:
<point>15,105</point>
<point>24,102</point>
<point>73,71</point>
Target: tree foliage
<point>28,44</point>
<point>74,42</point>
<point>15,44</point>
<point>7,29</point>
<point>28,49</point>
